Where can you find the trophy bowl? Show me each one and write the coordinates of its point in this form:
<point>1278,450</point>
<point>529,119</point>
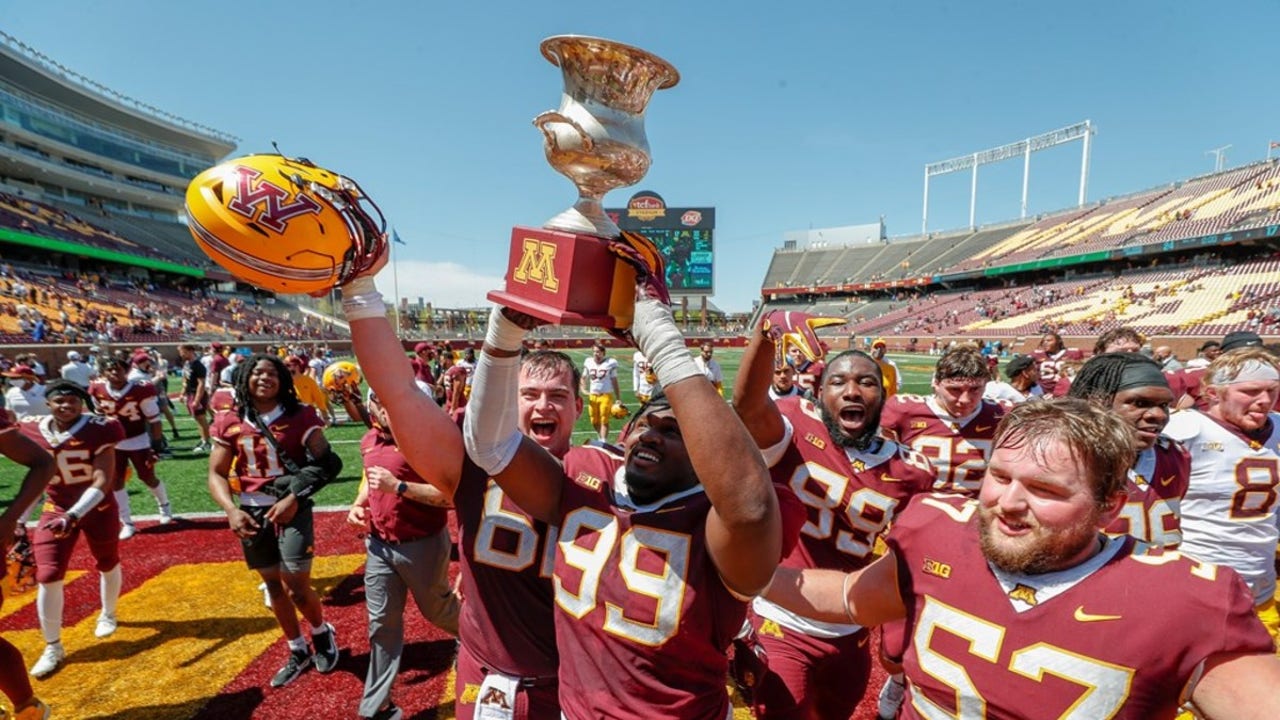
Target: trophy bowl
<point>597,138</point>
<point>565,272</point>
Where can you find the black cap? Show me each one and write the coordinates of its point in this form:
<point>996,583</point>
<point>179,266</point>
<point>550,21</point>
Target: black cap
<point>1239,339</point>
<point>1018,364</point>
<point>1210,344</point>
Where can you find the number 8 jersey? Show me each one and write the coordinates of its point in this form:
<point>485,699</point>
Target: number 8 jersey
<point>1229,511</point>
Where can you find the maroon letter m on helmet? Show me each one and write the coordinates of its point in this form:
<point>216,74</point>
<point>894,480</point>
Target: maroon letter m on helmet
<point>276,212</point>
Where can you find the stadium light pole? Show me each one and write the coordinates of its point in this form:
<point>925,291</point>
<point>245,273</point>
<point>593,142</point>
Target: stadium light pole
<point>1219,157</point>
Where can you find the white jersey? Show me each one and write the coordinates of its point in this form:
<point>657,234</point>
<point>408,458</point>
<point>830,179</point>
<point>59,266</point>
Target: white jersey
<point>1229,512</point>
<point>640,370</point>
<point>710,369</point>
<point>600,375</point>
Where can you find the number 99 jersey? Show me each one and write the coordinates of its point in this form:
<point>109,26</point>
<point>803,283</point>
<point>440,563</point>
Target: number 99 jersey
<point>1075,644</point>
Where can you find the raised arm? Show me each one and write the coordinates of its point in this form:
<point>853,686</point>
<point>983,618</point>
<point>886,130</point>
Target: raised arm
<point>751,391</point>
<point>433,448</point>
<point>525,471</point>
<point>744,527</point>
<point>867,597</point>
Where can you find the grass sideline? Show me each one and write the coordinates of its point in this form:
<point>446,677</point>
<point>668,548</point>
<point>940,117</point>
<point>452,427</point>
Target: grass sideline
<point>185,474</point>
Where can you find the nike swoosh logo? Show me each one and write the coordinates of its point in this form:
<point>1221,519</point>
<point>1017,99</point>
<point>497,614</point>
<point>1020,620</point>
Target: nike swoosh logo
<point>981,428</point>
<point>889,479</point>
<point>1165,482</point>
<point>1082,616</point>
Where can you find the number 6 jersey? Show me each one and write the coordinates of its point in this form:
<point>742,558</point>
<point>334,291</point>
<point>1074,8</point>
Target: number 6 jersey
<point>1119,636</point>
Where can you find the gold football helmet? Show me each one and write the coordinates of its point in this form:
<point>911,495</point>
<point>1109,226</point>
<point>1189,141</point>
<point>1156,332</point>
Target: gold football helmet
<point>284,224</point>
<point>340,375</point>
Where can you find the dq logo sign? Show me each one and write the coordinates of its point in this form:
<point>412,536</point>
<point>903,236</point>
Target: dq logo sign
<point>276,211</point>
<point>537,265</point>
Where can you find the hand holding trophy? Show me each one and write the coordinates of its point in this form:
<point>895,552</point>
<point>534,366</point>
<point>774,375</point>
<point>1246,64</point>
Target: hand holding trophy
<point>579,268</point>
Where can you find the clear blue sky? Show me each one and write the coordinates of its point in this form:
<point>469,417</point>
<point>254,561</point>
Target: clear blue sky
<point>789,115</point>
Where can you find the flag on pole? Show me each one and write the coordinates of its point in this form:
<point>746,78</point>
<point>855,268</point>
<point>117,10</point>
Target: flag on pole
<point>395,237</point>
<point>1275,144</point>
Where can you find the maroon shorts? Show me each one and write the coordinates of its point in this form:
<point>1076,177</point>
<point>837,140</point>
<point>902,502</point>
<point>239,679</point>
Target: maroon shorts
<point>197,406</point>
<point>810,677</point>
<point>144,464</point>
<point>101,527</point>
<point>535,700</point>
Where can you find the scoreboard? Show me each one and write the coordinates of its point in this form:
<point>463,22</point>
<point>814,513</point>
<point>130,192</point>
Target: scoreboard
<point>684,236</point>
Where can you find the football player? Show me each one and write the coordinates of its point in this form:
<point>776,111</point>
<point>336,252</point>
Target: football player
<point>1137,390</point>
<point>19,448</point>
<point>600,385</point>
<point>659,550</point>
<point>133,404</point>
<point>155,371</point>
<point>79,499</point>
<point>1017,605</point>
<point>506,628</point>
<point>1229,511</point>
<point>1050,358</point>
<point>408,549</point>
<point>852,481</point>
<point>642,378</point>
<point>709,366</point>
<point>458,379</point>
<point>952,427</point>
<point>282,458</point>
<point>784,382</point>
<point>890,376</point>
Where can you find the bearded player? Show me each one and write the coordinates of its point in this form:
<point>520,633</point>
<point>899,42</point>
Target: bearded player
<point>1135,388</point>
<point>658,552</point>
<point>1050,358</point>
<point>79,501</point>
<point>952,427</point>
<point>852,481</point>
<point>134,405</point>
<point>1018,606</point>
<point>39,469</point>
<point>1229,513</point>
<point>507,658</point>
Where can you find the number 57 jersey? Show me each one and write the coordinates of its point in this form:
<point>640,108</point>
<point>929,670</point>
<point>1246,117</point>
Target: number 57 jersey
<point>1086,643</point>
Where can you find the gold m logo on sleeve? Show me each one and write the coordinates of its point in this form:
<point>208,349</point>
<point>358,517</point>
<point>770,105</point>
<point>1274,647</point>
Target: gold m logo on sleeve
<point>537,265</point>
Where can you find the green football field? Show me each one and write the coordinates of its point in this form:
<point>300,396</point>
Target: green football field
<point>185,474</point>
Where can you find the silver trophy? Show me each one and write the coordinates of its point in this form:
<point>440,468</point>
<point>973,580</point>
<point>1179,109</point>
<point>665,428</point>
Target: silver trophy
<point>596,138</point>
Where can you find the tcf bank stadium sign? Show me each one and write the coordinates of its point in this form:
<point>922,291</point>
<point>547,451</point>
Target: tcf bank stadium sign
<point>685,236</point>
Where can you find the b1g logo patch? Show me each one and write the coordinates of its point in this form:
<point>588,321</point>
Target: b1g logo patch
<point>937,568</point>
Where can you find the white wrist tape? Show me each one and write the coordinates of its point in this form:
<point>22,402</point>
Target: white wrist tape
<point>502,333</point>
<point>362,301</point>
<point>489,427</point>
<point>660,341</point>
<point>88,501</point>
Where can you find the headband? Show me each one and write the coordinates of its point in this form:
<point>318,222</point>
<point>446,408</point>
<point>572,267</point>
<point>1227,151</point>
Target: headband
<point>1250,371</point>
<point>1141,374</point>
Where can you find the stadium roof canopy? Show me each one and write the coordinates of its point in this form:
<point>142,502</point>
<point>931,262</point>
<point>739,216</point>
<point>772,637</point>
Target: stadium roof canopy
<point>29,70</point>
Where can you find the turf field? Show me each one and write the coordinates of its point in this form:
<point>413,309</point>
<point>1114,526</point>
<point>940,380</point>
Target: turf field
<point>185,473</point>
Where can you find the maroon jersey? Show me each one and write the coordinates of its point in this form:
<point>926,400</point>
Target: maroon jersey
<point>395,518</point>
<point>643,620</point>
<point>223,400</point>
<point>1078,643</point>
<point>422,371</point>
<point>958,448</point>
<point>134,405</point>
<point>457,376</point>
<point>809,376</point>
<point>850,496</point>
<point>1051,369</point>
<point>73,452</point>
<point>256,461</point>
<point>506,619</point>
<point>1157,482</point>
<point>1189,382</point>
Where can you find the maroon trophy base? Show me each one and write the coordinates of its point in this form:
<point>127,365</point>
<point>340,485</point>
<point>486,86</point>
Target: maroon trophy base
<point>567,279</point>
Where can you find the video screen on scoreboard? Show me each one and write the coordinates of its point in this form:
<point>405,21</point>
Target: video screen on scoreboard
<point>684,236</point>
<point>688,254</point>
